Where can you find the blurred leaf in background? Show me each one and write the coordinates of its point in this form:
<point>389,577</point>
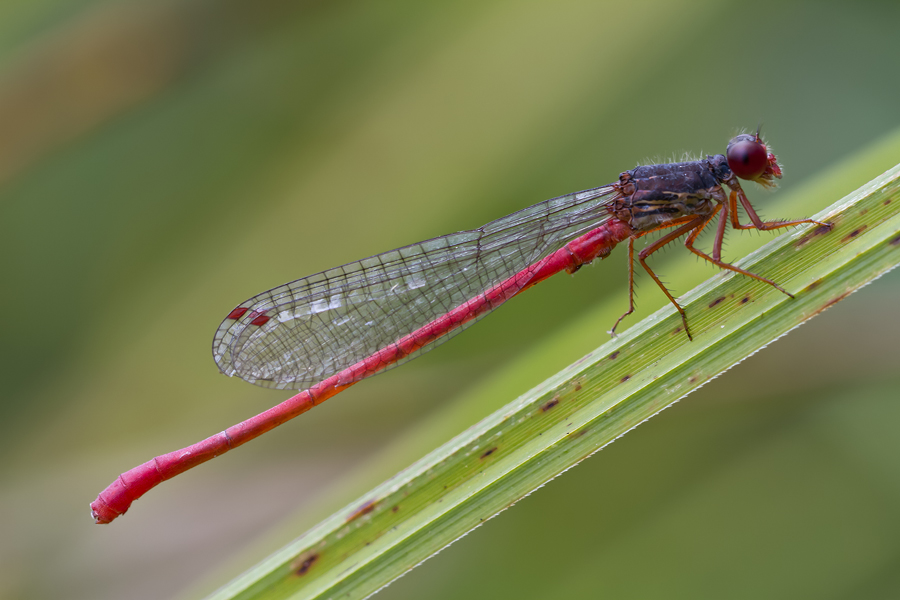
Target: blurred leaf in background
<point>160,162</point>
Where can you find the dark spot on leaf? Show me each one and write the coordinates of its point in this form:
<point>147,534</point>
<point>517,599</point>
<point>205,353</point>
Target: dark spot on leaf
<point>362,510</point>
<point>832,302</point>
<point>745,299</point>
<point>813,285</point>
<point>718,300</point>
<point>395,508</point>
<point>693,379</point>
<point>887,201</point>
<point>580,433</point>
<point>821,229</point>
<point>854,233</point>
<point>863,211</point>
<point>488,453</point>
<point>550,404</point>
<point>614,355</point>
<point>305,565</point>
<point>895,241</point>
<point>624,379</point>
<point>577,385</point>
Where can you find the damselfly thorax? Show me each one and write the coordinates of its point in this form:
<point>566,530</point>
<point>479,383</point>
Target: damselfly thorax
<point>654,195</point>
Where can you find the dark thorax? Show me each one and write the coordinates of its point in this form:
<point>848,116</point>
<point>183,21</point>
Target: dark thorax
<point>654,195</point>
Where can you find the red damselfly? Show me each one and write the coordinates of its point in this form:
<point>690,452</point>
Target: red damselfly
<point>323,333</point>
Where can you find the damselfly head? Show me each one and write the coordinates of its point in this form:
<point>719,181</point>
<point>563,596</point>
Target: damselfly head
<point>750,158</point>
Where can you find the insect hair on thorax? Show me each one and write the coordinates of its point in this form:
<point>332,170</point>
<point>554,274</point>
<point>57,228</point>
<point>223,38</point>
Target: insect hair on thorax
<point>671,159</point>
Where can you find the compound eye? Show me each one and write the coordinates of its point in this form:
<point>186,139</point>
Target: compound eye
<point>747,158</point>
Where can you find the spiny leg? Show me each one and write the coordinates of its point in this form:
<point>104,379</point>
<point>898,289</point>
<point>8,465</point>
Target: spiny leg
<point>672,223</point>
<point>720,232</point>
<point>694,223</point>
<point>756,222</point>
<point>630,310</point>
<point>717,246</point>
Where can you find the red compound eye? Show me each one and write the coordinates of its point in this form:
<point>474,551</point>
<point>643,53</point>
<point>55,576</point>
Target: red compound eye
<point>747,157</point>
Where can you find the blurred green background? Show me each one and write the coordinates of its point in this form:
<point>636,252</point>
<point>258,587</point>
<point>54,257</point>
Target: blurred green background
<point>162,161</point>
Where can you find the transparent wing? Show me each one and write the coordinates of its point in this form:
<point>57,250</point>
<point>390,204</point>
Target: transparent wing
<point>300,333</point>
